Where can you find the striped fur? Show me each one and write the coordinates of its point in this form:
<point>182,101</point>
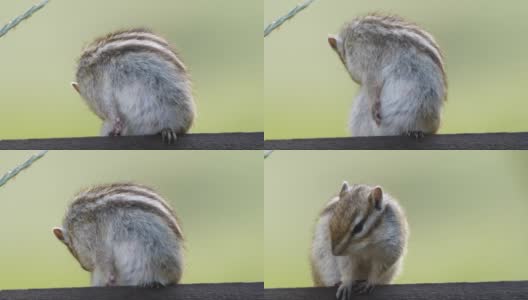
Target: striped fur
<point>136,83</point>
<point>373,254</point>
<point>122,42</point>
<point>402,74</point>
<point>125,195</point>
<point>124,234</point>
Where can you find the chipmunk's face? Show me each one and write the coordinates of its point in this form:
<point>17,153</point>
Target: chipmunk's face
<point>359,50</point>
<point>63,237</point>
<point>347,56</point>
<point>355,216</point>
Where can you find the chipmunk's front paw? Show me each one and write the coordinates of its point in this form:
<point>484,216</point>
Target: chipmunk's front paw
<point>417,135</point>
<point>345,291</point>
<point>376,113</point>
<point>168,136</point>
<point>362,287</point>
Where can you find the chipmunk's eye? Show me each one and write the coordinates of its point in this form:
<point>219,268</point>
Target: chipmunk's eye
<point>358,228</point>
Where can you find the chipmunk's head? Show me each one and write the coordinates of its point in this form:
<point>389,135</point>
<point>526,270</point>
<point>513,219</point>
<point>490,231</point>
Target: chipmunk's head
<point>352,54</point>
<point>369,43</point>
<point>65,238</point>
<point>356,52</point>
<point>356,214</point>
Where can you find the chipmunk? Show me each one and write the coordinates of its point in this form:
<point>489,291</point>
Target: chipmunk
<point>359,242</point>
<point>124,234</point>
<point>137,84</point>
<point>401,72</point>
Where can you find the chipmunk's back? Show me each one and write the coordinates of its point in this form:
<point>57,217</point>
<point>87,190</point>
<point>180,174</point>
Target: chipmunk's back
<point>122,196</point>
<point>123,42</point>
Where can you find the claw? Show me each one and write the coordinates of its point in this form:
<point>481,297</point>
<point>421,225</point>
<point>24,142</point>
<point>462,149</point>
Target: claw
<point>168,136</point>
<point>362,287</point>
<point>344,292</point>
<point>417,135</point>
<point>154,285</point>
<point>115,133</point>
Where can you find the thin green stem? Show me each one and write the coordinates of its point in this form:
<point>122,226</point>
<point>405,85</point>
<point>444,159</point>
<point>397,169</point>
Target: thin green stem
<point>277,23</point>
<point>22,17</point>
<point>9,175</point>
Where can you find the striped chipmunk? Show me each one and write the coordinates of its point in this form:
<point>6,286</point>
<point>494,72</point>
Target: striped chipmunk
<point>401,73</point>
<point>124,234</point>
<point>137,84</point>
<point>359,241</point>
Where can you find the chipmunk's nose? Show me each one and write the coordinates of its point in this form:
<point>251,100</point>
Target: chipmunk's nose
<point>336,250</point>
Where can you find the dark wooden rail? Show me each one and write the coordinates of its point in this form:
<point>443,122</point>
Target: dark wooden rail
<point>483,141</point>
<point>196,141</point>
<point>224,291</point>
<point>447,291</point>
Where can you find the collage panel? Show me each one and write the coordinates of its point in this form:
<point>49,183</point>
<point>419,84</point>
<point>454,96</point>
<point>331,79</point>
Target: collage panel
<point>426,216</point>
<point>144,213</point>
<point>136,67</point>
<point>342,68</point>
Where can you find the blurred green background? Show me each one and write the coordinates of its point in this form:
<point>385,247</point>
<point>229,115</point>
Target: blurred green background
<point>308,92</point>
<point>220,41</point>
<point>466,210</point>
<point>216,194</point>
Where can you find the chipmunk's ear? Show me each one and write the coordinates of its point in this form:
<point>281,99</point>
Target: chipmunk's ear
<point>376,196</point>
<point>344,189</point>
<point>59,233</point>
<point>75,85</point>
<point>334,41</point>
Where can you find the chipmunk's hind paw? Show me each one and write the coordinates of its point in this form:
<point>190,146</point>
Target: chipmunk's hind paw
<point>154,285</point>
<point>111,281</point>
<point>417,135</point>
<point>117,128</point>
<point>168,136</point>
